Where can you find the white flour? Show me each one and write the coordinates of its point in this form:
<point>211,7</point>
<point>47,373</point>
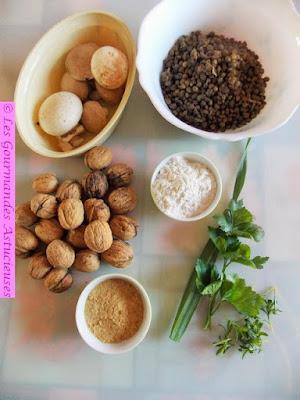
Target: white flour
<point>184,188</point>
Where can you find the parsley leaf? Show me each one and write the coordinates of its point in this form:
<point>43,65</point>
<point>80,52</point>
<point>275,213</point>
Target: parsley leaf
<point>242,216</point>
<point>249,230</point>
<point>225,221</point>
<point>212,288</point>
<point>243,298</point>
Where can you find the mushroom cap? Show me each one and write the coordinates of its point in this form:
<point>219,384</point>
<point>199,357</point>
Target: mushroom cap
<point>94,116</point>
<point>109,67</point>
<point>110,96</point>
<point>78,61</point>
<point>69,84</point>
<point>60,113</point>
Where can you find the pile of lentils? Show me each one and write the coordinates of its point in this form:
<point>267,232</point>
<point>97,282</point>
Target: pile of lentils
<point>212,82</point>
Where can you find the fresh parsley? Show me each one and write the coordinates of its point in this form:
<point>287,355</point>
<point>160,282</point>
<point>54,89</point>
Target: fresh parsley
<point>214,281</point>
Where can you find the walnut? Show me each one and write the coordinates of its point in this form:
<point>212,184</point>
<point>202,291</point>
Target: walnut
<point>96,209</point>
<point>123,227</point>
<point>69,189</point>
<point>44,205</point>
<point>119,175</point>
<point>95,184</point>
<point>26,242</point>
<point>98,236</point>
<point>122,200</point>
<point>58,280</point>
<point>87,261</point>
<point>24,216</point>
<point>71,213</point>
<point>60,254</point>
<point>48,230</point>
<point>45,183</point>
<point>98,157</point>
<point>39,266</point>
<point>75,237</point>
<point>119,255</point>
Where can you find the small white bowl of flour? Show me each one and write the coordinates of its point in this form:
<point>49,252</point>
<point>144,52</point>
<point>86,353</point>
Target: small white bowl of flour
<point>186,186</point>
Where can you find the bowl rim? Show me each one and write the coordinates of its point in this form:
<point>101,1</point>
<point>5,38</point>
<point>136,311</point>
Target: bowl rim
<point>210,164</point>
<point>119,110</point>
<point>112,348</point>
<point>164,111</point>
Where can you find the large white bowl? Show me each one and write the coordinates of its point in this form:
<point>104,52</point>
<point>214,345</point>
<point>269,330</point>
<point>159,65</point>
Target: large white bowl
<point>271,29</point>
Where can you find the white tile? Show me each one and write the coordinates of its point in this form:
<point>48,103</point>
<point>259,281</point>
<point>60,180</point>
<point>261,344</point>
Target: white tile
<point>282,199</point>
<point>14,12</point>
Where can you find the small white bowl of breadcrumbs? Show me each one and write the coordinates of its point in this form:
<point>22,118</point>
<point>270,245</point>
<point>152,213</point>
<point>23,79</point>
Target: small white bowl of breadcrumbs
<point>113,313</point>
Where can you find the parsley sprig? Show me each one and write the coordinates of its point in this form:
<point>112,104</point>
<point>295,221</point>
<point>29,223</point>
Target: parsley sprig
<point>216,283</point>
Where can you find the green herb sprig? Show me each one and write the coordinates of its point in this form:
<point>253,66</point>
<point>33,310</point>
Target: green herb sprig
<point>219,286</point>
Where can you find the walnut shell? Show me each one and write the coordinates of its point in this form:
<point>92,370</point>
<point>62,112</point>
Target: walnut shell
<point>87,261</point>
<point>98,157</point>
<point>69,189</point>
<point>44,205</point>
<point>119,255</point>
<point>119,175</point>
<point>60,254</point>
<point>71,213</point>
<point>24,216</point>
<point>96,209</point>
<point>58,280</point>
<point>123,227</point>
<point>98,236</point>
<point>75,237</point>
<point>122,200</point>
<point>26,242</point>
<point>48,230</point>
<point>45,183</point>
<point>95,184</point>
<point>39,266</point>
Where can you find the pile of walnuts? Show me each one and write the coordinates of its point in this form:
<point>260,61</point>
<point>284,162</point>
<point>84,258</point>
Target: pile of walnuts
<point>75,224</point>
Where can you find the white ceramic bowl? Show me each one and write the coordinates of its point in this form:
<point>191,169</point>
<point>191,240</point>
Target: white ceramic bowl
<point>44,67</point>
<point>271,29</point>
<point>115,348</point>
<point>194,157</point>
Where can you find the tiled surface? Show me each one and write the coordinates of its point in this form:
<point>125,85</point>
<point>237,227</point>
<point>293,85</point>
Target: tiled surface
<point>41,354</point>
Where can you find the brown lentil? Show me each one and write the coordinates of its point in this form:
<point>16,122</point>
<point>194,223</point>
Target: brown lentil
<point>212,82</point>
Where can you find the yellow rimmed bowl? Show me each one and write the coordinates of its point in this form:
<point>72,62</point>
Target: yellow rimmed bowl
<point>43,68</point>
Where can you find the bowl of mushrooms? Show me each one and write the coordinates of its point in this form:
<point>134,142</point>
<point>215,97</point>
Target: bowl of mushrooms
<point>75,84</point>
